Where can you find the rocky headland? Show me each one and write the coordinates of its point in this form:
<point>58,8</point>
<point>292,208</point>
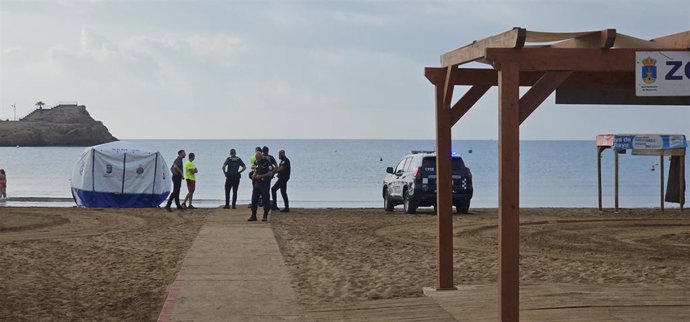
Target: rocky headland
<point>63,125</point>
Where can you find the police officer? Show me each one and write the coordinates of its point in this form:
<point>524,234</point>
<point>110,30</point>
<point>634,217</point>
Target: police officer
<point>269,156</point>
<point>283,172</point>
<point>275,166</point>
<point>177,176</point>
<point>252,164</point>
<point>261,180</point>
<point>231,169</point>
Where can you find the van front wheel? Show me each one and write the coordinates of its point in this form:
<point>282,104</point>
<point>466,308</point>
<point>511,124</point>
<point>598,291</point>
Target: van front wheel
<point>387,203</point>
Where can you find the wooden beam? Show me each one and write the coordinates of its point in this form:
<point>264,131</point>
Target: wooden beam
<point>594,79</point>
<point>661,174</point>
<point>609,38</point>
<point>510,39</point>
<point>463,76</point>
<point>615,96</point>
<point>599,150</point>
<point>435,75</point>
<point>489,77</point>
<point>573,59</point>
<point>598,39</point>
<point>444,196</point>
<point>678,40</point>
<point>625,41</point>
<point>681,189</point>
<point>615,177</point>
<point>540,36</point>
<point>517,38</point>
<point>448,87</point>
<point>539,92</point>
<point>466,102</point>
<point>509,192</point>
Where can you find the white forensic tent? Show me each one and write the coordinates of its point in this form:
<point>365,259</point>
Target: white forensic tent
<point>120,174</point>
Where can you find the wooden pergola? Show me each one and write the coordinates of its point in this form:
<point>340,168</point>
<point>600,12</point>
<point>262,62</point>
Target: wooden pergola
<point>596,67</point>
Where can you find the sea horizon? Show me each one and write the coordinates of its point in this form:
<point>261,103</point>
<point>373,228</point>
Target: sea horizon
<point>348,173</point>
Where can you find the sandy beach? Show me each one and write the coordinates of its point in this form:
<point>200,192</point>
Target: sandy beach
<point>62,264</point>
<point>355,255</point>
<point>81,264</point>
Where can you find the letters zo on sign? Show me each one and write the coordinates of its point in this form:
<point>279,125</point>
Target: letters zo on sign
<point>662,73</point>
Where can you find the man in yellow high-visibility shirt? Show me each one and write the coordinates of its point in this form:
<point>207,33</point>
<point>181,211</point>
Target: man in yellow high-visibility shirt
<point>190,171</point>
<point>252,165</point>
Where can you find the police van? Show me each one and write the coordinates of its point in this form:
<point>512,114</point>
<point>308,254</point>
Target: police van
<point>412,183</point>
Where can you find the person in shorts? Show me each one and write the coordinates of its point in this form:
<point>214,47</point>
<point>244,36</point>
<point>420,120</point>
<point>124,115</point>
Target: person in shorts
<point>190,172</point>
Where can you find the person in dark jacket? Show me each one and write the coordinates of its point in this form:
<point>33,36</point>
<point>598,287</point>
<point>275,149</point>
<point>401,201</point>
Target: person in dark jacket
<point>231,169</point>
<point>283,172</point>
<point>261,180</point>
<point>177,176</point>
<point>272,160</point>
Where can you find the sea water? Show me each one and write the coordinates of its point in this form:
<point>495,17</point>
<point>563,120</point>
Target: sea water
<point>349,173</point>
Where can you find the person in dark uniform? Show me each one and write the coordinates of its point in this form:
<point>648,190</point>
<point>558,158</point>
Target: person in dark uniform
<point>283,172</point>
<point>275,166</point>
<point>177,177</point>
<point>252,164</point>
<point>269,156</point>
<point>231,169</point>
<point>261,180</point>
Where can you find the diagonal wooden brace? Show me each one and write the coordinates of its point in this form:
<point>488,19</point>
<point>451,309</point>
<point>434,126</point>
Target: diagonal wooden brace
<point>540,91</point>
<point>467,101</point>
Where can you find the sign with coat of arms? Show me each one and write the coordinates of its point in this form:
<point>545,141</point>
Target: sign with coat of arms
<point>662,73</point>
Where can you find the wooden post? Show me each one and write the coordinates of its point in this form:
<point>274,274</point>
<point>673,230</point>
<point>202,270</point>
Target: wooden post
<point>615,176</point>
<point>444,195</point>
<point>661,175</point>
<point>682,181</point>
<point>599,149</point>
<point>509,192</point>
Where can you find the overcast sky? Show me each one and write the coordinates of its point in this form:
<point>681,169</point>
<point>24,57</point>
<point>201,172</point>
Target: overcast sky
<point>296,69</point>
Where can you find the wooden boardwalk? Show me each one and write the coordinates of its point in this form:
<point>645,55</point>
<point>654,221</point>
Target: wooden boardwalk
<point>548,302</point>
<point>412,309</point>
<point>568,302</point>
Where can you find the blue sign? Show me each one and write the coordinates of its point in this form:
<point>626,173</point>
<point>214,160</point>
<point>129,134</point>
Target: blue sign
<point>649,142</point>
